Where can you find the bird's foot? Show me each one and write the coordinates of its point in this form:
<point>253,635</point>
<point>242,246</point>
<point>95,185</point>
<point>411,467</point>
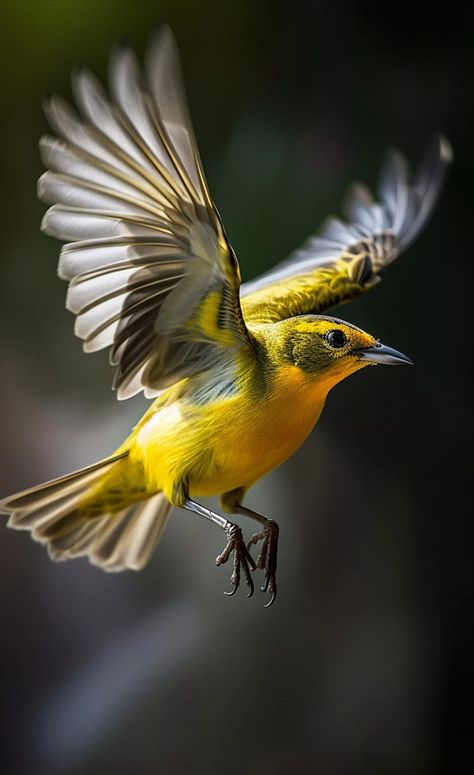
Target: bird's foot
<point>243,560</point>
<point>267,556</point>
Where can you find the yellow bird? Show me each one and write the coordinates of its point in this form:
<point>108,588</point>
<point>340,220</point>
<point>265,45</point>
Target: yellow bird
<point>239,374</point>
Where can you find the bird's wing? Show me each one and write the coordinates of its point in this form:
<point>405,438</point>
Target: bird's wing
<point>150,270</point>
<point>346,258</point>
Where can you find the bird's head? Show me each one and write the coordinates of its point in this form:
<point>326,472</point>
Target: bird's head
<point>330,349</point>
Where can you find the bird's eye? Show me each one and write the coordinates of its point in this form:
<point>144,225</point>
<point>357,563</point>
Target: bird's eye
<point>336,338</point>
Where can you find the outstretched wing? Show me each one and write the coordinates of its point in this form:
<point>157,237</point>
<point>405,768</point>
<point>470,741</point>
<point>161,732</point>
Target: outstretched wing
<point>346,259</point>
<point>150,270</point>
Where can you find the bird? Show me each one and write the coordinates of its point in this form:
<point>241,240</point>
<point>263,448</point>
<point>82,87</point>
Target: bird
<point>238,372</point>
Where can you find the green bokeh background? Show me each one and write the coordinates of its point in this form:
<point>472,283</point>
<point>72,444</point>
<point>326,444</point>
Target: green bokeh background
<point>363,664</point>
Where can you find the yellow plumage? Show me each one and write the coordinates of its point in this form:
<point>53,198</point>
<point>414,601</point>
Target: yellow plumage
<point>239,374</point>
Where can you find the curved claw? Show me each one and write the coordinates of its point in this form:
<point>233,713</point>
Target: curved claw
<point>272,599</point>
<point>251,586</point>
<point>248,578</point>
<point>248,581</point>
<point>273,590</point>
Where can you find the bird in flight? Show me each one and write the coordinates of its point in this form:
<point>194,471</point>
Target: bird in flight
<point>239,373</point>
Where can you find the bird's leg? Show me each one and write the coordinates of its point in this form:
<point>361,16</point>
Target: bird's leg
<point>243,561</point>
<point>268,535</point>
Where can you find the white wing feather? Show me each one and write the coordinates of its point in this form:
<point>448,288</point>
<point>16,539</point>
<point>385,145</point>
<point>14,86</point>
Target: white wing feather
<point>145,243</point>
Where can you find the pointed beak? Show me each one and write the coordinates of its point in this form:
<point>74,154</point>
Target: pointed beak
<point>380,353</point>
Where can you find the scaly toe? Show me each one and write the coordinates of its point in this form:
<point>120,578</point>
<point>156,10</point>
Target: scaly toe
<point>225,554</point>
<point>243,561</point>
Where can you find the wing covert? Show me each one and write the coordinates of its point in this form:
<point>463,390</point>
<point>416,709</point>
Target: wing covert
<point>151,273</point>
<point>346,258</point>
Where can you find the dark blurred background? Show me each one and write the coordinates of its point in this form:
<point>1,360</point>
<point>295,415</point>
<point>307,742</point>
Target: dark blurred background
<point>363,665</point>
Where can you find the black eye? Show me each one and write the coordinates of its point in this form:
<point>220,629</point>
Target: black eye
<point>336,338</point>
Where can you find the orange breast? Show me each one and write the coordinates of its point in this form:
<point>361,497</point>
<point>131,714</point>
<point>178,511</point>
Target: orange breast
<point>259,434</point>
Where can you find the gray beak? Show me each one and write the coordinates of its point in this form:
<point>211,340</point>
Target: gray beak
<point>380,353</point>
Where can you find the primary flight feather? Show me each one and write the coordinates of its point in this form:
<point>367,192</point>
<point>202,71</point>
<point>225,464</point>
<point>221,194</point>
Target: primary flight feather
<point>239,374</point>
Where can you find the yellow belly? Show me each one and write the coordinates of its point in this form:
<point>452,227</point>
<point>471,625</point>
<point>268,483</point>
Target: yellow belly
<point>230,444</point>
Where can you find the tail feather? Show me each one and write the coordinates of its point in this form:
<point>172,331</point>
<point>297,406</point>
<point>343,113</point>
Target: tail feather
<point>38,516</point>
<point>114,540</point>
<point>63,485</point>
<point>130,541</point>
